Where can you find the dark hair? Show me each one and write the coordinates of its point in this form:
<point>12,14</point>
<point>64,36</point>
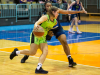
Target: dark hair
<point>45,5</point>
<point>53,8</point>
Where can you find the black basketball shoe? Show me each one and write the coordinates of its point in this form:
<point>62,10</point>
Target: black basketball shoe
<point>24,58</point>
<point>13,54</point>
<point>71,62</point>
<point>40,71</point>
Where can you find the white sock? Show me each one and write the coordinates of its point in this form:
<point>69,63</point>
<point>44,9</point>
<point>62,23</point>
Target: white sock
<point>39,65</point>
<point>77,29</point>
<point>70,29</point>
<point>69,56</point>
<point>17,52</point>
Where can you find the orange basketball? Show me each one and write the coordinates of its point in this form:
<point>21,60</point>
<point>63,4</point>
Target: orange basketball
<point>39,32</point>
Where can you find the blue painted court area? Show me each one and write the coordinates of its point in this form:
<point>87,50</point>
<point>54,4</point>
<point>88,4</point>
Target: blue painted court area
<point>29,26</point>
<point>75,38</point>
<point>82,22</point>
<point>22,33</point>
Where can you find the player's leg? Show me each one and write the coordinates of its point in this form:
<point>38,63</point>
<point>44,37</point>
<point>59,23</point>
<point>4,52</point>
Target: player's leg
<point>44,49</point>
<point>76,24</point>
<point>24,58</point>
<point>62,39</point>
<point>60,35</point>
<point>27,56</point>
<point>69,18</point>
<point>71,27</point>
<point>34,44</point>
<point>72,23</point>
<point>32,51</point>
<point>79,21</point>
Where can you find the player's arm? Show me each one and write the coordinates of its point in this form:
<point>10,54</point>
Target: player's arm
<point>41,20</point>
<point>61,11</point>
<point>71,5</point>
<point>83,8</point>
<point>68,6</point>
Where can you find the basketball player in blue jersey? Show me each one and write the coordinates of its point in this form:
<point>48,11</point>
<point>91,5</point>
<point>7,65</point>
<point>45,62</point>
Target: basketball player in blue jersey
<point>76,6</point>
<point>58,33</point>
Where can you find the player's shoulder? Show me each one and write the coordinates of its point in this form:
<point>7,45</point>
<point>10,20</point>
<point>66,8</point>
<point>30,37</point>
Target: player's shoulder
<point>45,17</point>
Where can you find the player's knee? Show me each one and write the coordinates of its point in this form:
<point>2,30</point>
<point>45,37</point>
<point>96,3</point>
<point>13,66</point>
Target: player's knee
<point>64,42</point>
<point>32,53</point>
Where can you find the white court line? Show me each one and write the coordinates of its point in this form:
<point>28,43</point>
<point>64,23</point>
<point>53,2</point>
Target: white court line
<point>76,39</point>
<point>57,60</point>
<point>15,46</point>
<point>52,42</point>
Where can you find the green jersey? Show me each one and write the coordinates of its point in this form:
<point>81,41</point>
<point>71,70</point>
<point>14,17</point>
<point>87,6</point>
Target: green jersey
<point>47,25</point>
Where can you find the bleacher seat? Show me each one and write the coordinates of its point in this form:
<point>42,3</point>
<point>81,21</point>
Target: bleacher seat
<point>28,5</point>
<point>11,6</point>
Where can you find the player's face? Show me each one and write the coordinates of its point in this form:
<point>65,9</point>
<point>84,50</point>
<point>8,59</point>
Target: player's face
<point>56,14</point>
<point>47,6</point>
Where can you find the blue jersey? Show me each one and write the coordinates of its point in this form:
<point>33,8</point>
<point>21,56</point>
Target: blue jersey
<point>76,7</point>
<point>58,23</point>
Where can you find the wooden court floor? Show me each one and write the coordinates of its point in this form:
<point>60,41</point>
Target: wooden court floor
<point>86,54</point>
<point>14,67</point>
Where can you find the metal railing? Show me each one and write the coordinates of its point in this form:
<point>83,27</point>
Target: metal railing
<point>8,10</point>
<point>31,10</point>
<point>22,10</point>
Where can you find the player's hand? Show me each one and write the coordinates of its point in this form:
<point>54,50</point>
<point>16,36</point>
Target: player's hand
<point>36,27</point>
<point>50,33</point>
<point>84,11</point>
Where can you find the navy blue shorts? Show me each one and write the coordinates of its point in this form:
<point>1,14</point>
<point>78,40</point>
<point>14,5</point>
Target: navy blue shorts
<point>73,16</point>
<point>58,31</point>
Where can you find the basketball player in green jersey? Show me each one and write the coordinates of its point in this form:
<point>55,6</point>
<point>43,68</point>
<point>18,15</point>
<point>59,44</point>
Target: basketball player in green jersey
<point>47,22</point>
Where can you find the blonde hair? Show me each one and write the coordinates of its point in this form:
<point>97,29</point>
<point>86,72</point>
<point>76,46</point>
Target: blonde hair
<point>51,9</point>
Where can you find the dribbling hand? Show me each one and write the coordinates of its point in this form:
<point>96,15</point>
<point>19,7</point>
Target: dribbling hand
<point>36,27</point>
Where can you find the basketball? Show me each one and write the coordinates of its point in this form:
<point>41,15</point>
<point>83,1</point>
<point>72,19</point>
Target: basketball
<point>38,32</point>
